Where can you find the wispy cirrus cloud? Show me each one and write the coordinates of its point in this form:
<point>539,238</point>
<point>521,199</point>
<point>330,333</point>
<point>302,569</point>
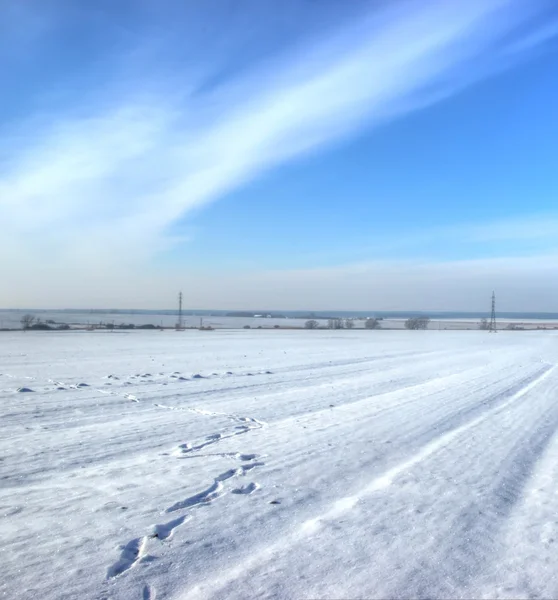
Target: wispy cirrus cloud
<point>104,182</point>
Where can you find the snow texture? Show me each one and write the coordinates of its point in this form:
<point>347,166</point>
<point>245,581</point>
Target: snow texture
<point>279,464</point>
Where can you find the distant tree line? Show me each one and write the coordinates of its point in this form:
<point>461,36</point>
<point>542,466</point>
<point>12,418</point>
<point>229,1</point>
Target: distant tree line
<point>336,323</point>
<point>417,323</point>
<point>30,322</point>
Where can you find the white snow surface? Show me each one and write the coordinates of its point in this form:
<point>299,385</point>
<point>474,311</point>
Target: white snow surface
<point>278,464</point>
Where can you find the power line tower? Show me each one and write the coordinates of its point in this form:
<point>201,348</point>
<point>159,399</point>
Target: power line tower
<point>492,326</point>
<point>180,322</point>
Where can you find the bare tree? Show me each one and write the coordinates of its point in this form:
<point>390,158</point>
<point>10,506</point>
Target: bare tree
<point>336,324</point>
<point>423,322</point>
<point>27,320</point>
<point>311,324</point>
<point>372,324</point>
<point>417,323</point>
<point>349,323</point>
<point>483,324</point>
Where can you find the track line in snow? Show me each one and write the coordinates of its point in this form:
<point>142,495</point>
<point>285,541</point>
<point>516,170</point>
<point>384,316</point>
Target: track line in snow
<point>429,399</point>
<point>322,373</point>
<point>472,545</point>
<point>343,505</point>
<point>528,556</point>
<point>387,478</point>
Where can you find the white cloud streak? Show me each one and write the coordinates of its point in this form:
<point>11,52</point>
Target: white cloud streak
<point>100,192</point>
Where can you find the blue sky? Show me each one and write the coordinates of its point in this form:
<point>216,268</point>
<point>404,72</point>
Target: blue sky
<point>304,154</point>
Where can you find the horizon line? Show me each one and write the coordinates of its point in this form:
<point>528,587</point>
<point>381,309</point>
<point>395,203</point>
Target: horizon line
<point>268,311</point>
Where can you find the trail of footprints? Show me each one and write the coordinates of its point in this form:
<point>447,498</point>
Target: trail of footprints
<point>137,379</point>
<point>248,424</point>
<point>135,551</point>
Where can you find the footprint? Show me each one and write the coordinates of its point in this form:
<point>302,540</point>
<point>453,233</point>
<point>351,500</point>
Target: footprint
<point>247,456</point>
<point>11,511</point>
<point>214,436</point>
<point>208,495</point>
<point>82,385</point>
<point>24,390</point>
<point>246,489</point>
<point>245,468</point>
<point>131,554</point>
<point>214,491</point>
<point>148,592</point>
<point>164,531</point>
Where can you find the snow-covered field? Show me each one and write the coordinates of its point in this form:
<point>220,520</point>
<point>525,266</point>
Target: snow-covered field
<point>278,464</point>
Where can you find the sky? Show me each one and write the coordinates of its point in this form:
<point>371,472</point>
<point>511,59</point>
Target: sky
<point>302,154</point>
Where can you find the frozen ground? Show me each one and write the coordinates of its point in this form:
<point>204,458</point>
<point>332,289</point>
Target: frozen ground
<point>279,464</point>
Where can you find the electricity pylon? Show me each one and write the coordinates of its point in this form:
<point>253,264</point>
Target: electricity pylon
<point>180,323</point>
<point>492,326</point>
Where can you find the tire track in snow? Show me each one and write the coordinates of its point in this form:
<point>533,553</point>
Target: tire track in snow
<point>528,540</point>
<point>379,483</point>
<point>472,541</point>
<point>437,444</point>
<point>428,401</point>
<point>466,411</point>
<point>307,382</point>
<point>358,361</point>
<point>395,389</point>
